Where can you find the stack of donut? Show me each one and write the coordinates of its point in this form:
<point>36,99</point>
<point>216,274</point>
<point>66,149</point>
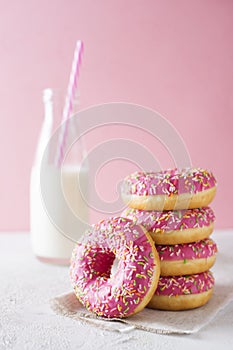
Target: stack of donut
<point>172,206</point>
<point>161,243</point>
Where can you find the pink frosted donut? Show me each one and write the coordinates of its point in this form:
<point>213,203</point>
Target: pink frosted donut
<point>183,292</point>
<point>129,289</point>
<point>174,227</point>
<point>186,259</point>
<point>169,189</point>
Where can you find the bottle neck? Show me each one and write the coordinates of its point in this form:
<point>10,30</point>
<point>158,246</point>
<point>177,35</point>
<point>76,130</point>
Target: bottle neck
<point>51,131</point>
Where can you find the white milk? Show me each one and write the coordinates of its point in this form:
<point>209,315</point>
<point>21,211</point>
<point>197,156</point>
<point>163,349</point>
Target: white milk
<point>48,243</point>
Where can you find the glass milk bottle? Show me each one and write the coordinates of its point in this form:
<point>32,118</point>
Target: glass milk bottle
<point>58,192</point>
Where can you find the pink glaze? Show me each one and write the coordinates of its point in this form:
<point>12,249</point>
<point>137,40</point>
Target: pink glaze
<point>168,182</point>
<point>197,250</point>
<point>185,285</point>
<point>172,219</point>
<point>116,295</point>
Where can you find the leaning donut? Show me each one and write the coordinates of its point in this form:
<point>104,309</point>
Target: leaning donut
<point>186,259</point>
<point>183,292</point>
<point>169,189</point>
<point>174,227</point>
<point>130,288</point>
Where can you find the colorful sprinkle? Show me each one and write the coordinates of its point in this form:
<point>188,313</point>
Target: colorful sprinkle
<point>169,182</point>
<point>184,285</point>
<point>197,250</point>
<point>158,222</point>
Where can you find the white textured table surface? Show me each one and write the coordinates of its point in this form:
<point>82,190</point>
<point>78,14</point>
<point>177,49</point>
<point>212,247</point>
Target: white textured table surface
<point>27,322</point>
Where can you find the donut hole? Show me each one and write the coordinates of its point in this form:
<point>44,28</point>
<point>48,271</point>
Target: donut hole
<point>115,266</point>
<point>102,263</point>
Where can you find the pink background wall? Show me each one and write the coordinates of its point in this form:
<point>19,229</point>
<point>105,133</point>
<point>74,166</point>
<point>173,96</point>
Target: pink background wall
<point>173,56</point>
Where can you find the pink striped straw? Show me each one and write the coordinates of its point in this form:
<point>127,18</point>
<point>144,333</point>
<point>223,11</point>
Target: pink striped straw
<point>74,74</point>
